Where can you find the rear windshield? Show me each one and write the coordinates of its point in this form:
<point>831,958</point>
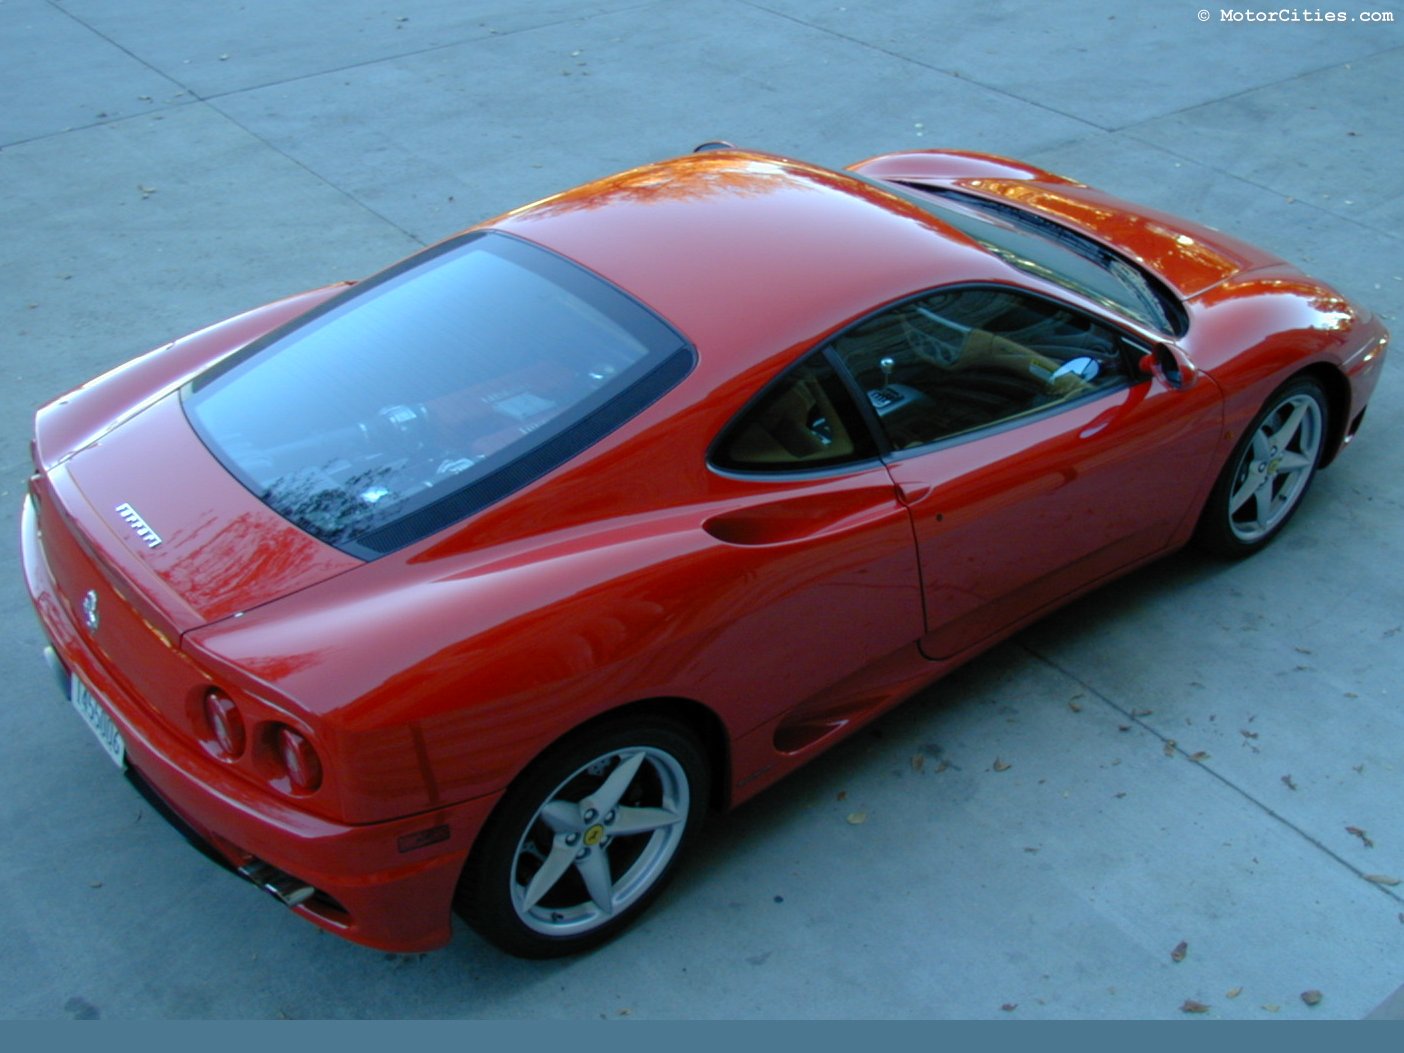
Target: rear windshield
<point>432,390</point>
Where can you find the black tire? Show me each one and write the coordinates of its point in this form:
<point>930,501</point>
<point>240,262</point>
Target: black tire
<point>540,831</point>
<point>1268,473</point>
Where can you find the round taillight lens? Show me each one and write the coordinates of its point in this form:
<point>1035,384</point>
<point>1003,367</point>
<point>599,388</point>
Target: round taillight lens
<point>300,760</point>
<point>225,723</point>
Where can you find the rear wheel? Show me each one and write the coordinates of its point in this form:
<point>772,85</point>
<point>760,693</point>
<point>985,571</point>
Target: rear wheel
<point>586,839</point>
<point>1269,473</point>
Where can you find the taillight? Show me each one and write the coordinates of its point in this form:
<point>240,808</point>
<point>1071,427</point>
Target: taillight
<point>299,760</point>
<point>225,723</point>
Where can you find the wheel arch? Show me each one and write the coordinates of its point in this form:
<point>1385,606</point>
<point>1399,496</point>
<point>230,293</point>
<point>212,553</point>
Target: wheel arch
<point>696,718</point>
<point>680,716</point>
<point>1334,390</point>
<point>700,720</point>
<point>1337,390</point>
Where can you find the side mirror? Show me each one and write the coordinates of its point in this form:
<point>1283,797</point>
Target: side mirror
<point>1169,365</point>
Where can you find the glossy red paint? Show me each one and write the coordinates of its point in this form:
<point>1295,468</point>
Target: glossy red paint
<point>771,614</point>
<point>77,419</point>
<point>376,894</point>
<point>1068,498</point>
<point>221,551</point>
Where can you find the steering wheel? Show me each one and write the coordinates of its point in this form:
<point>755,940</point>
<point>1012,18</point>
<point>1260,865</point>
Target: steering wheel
<point>1083,367</point>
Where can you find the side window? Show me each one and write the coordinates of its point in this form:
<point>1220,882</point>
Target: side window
<point>804,421</point>
<point>965,359</point>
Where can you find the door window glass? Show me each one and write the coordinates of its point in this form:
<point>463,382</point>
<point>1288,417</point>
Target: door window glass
<point>965,359</point>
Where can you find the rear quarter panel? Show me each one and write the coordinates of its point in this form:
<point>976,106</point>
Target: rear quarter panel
<point>76,419</point>
<point>444,686</point>
<point>438,672</point>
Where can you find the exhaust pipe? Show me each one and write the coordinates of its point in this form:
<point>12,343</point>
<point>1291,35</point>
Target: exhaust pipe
<point>278,884</point>
<point>62,676</point>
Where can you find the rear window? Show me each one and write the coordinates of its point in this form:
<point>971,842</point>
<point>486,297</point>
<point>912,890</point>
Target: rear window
<point>432,390</point>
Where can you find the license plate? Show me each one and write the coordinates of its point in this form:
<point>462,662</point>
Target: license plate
<point>96,718</point>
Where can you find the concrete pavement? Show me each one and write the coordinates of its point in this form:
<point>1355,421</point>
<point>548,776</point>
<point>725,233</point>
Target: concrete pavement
<point>164,164</point>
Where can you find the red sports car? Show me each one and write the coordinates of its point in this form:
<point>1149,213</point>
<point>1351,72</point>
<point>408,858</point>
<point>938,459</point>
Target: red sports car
<point>477,583</point>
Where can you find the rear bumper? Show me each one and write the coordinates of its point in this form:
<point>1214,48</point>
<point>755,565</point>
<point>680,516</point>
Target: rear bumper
<point>387,885</point>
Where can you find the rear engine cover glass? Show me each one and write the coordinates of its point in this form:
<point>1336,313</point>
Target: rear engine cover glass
<point>432,390</point>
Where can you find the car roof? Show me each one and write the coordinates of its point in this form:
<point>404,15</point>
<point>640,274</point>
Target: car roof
<point>749,254</point>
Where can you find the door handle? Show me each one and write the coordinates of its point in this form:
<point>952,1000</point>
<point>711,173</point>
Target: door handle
<point>911,494</point>
<point>802,516</point>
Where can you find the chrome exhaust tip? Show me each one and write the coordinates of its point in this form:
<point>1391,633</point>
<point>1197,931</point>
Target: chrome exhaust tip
<point>282,886</point>
<point>61,674</point>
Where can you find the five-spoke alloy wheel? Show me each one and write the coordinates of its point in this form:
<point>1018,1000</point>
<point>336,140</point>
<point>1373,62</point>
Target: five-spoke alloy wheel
<point>1269,472</point>
<point>586,838</point>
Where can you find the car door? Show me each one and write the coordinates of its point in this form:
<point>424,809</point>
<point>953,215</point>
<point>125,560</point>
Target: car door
<point>1034,457</point>
<point>813,573</point>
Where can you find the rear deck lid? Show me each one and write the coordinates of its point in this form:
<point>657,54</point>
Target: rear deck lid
<point>193,541</point>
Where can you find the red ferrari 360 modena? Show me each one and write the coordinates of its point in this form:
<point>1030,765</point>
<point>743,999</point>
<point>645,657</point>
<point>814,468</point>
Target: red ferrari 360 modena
<point>476,583</point>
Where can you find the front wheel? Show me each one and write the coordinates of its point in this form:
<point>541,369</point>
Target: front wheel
<point>586,839</point>
<point>1269,472</point>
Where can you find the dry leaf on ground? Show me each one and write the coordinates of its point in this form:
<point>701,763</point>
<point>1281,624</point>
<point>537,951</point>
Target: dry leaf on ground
<point>1178,954</point>
<point>1191,1006</point>
<point>1357,832</point>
